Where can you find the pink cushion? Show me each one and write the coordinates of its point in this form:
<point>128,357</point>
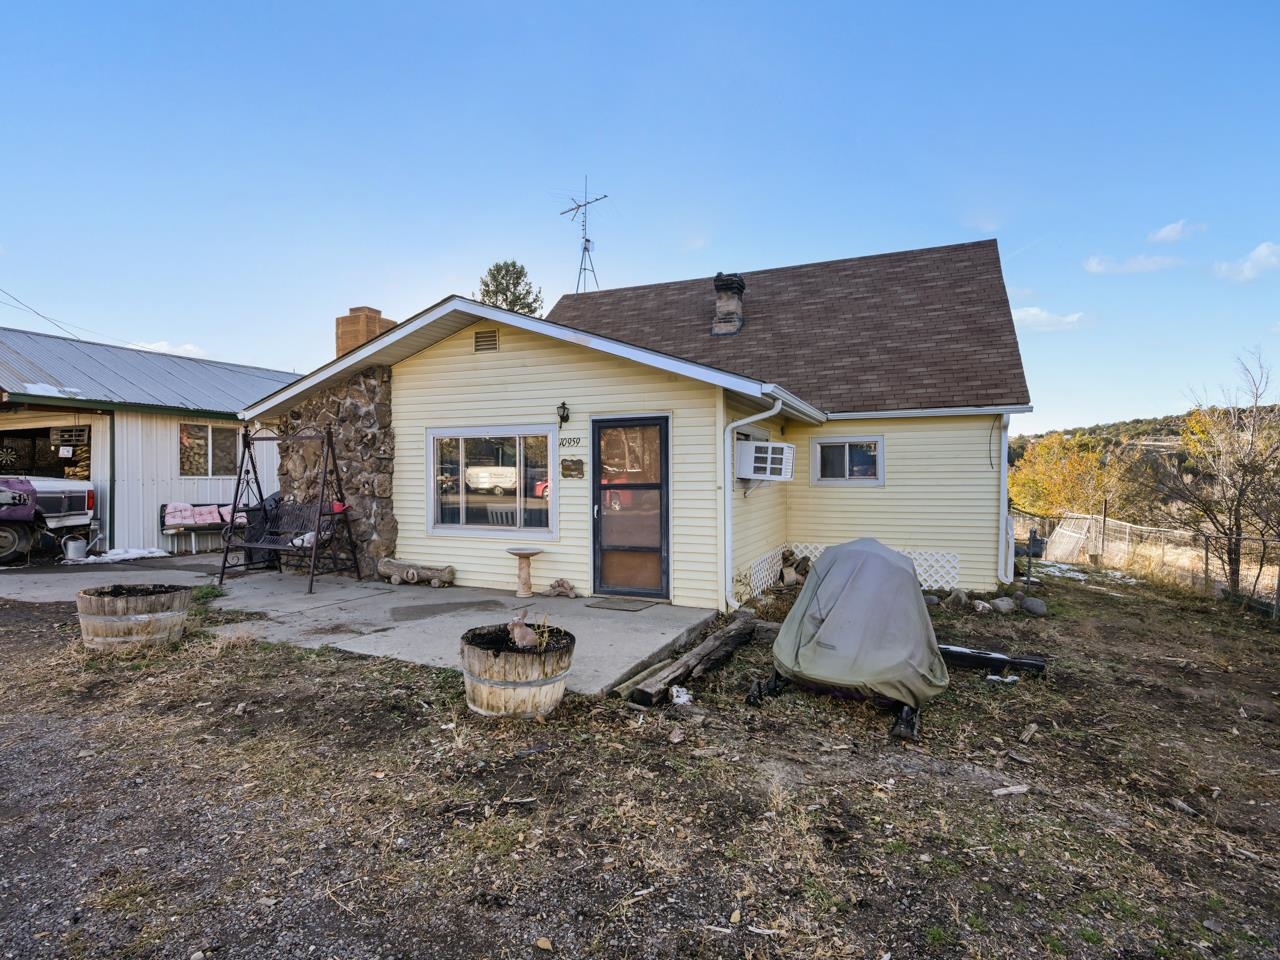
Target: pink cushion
<point>206,515</point>
<point>225,513</point>
<point>179,513</point>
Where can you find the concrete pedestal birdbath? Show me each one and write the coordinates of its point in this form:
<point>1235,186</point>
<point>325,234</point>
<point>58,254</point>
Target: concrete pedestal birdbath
<point>524,578</point>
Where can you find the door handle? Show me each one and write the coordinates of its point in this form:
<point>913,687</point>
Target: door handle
<point>595,513</point>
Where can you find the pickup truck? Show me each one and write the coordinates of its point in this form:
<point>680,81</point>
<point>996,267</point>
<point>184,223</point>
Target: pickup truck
<point>30,506</point>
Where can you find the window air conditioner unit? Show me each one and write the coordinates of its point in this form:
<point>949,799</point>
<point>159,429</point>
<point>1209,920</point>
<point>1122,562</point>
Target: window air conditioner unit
<point>763,460</point>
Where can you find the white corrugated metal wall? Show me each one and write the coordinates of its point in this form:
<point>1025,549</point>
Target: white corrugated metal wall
<point>147,476</point>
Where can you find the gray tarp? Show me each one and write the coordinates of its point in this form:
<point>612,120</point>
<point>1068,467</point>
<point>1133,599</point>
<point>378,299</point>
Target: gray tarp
<point>861,624</point>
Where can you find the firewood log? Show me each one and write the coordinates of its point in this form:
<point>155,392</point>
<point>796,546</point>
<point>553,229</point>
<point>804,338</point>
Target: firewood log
<point>402,571</point>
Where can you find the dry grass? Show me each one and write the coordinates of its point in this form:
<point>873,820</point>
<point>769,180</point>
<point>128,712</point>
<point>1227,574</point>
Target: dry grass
<point>363,789</point>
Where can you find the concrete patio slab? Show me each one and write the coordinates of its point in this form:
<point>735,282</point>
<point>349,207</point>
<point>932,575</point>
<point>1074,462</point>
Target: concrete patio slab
<point>408,622</point>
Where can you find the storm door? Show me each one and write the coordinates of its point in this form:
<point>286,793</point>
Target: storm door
<point>630,491</point>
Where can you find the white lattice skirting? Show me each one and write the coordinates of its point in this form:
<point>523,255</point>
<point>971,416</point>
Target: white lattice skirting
<point>936,569</point>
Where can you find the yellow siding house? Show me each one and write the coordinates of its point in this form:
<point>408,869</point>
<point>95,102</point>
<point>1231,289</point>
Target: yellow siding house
<point>670,441</point>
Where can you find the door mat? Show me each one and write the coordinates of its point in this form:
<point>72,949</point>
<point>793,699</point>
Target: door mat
<point>620,603</point>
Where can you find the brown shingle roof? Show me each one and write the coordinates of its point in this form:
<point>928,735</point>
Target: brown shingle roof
<point>897,331</point>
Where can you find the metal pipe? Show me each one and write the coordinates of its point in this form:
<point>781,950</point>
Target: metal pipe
<point>729,601</point>
<point>1004,556</point>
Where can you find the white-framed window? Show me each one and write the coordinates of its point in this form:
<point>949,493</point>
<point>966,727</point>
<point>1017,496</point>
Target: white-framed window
<point>492,481</point>
<point>207,451</point>
<point>848,461</point>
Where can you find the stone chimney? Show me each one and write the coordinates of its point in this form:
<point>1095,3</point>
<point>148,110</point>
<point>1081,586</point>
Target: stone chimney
<point>358,327</point>
<point>729,290</point>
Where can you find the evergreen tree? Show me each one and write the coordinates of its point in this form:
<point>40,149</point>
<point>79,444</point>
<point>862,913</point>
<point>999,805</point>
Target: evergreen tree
<point>506,284</point>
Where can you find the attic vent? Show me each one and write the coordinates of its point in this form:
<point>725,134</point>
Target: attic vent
<point>486,341</point>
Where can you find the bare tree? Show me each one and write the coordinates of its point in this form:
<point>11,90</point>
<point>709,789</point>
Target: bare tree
<point>1226,479</point>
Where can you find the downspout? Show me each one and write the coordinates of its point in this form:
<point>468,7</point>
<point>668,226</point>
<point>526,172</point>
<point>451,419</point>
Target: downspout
<point>729,429</point>
<point>1004,561</point>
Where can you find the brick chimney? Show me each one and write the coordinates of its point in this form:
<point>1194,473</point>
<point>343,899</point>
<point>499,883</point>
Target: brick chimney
<point>358,327</point>
<point>729,290</point>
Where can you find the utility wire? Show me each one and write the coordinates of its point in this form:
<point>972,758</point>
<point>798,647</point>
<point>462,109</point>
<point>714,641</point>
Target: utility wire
<point>62,325</point>
<point>32,309</point>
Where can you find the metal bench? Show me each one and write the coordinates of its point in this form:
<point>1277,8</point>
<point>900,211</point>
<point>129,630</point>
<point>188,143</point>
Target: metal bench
<point>294,528</point>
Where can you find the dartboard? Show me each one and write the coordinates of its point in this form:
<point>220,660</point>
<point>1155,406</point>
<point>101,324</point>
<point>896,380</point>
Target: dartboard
<point>8,456</point>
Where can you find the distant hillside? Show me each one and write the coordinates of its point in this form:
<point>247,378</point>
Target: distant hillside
<point>1152,432</point>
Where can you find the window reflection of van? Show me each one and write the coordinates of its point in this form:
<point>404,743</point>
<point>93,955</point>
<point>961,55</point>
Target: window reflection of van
<point>498,481</point>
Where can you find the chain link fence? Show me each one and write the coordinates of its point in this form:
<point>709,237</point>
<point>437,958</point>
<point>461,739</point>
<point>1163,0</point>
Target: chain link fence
<point>1187,558</point>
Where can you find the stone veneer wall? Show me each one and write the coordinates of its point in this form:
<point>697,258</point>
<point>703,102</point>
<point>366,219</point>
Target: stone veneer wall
<point>359,410</point>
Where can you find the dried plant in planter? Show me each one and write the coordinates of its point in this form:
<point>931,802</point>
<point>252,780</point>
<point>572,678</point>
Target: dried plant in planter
<point>514,669</point>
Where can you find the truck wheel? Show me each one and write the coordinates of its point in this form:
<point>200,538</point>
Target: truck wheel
<point>498,491</point>
<point>15,541</point>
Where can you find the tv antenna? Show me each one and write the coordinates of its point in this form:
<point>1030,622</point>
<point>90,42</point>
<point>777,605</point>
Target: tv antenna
<point>585,264</point>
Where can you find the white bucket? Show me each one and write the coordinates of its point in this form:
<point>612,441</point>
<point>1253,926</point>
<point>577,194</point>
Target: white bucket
<point>74,548</point>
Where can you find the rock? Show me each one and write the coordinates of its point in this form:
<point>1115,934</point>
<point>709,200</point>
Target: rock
<point>1004,604</point>
<point>561,588</point>
<point>981,606</point>
<point>957,600</point>
<point>198,955</point>
<point>543,943</point>
<point>791,577</point>
<point>1019,595</point>
<point>1035,606</point>
<point>930,600</point>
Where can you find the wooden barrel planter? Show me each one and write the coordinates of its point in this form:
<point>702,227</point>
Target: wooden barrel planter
<point>132,615</point>
<point>504,680</point>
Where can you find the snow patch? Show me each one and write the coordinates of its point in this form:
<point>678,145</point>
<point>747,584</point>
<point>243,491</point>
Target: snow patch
<point>121,554</point>
<point>1064,570</point>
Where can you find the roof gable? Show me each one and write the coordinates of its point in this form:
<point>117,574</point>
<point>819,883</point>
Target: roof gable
<point>453,314</point>
<point>918,330</point>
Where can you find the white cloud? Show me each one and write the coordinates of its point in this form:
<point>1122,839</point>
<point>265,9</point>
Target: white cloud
<point>1263,257</point>
<point>1139,264</point>
<point>181,350</point>
<point>1173,232</point>
<point>1037,318</point>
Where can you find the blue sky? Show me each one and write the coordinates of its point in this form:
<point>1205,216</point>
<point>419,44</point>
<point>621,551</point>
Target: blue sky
<point>229,178</point>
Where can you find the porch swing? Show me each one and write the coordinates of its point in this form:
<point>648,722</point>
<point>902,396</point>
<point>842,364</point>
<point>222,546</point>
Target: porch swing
<point>266,535</point>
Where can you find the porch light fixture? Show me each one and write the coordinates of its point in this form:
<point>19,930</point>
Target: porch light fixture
<point>562,412</point>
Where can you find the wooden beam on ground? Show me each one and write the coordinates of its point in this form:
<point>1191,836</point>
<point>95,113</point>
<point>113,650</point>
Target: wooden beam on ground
<point>711,652</point>
<point>624,689</point>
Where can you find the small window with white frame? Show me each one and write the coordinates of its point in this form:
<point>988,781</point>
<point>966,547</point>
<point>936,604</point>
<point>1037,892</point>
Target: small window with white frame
<point>848,461</point>
<point>491,481</point>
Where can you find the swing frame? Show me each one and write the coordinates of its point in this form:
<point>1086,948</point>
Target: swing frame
<point>316,536</point>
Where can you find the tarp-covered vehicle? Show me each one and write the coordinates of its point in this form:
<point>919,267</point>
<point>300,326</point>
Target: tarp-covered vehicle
<point>860,626</point>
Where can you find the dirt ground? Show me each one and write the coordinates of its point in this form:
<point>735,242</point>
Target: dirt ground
<point>236,800</point>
